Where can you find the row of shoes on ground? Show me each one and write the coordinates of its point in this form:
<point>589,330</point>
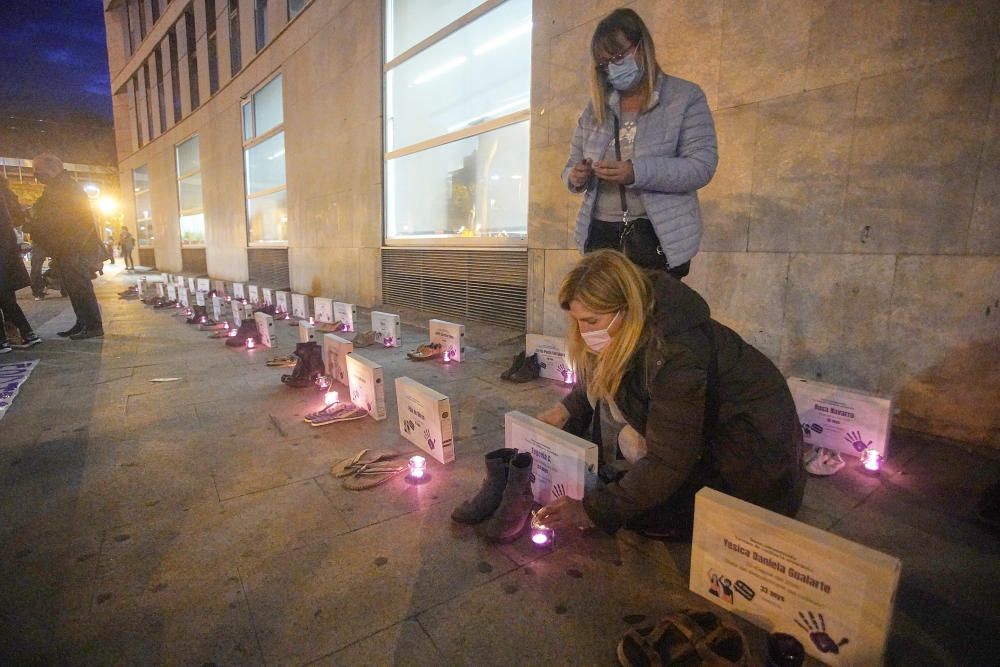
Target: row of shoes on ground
<point>247,330</point>
<point>308,367</point>
<point>504,500</point>
<point>523,369</point>
<point>369,468</point>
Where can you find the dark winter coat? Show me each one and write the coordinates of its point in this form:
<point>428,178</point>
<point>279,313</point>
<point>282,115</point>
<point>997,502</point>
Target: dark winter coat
<point>706,402</point>
<point>13,275</point>
<point>62,220</point>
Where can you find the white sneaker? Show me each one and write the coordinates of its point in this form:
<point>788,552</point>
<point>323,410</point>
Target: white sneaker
<point>822,461</point>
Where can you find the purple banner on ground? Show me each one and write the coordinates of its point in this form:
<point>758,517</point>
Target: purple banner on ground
<point>12,376</point>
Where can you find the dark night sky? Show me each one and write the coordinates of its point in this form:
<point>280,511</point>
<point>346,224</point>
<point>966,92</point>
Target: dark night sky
<point>54,64</point>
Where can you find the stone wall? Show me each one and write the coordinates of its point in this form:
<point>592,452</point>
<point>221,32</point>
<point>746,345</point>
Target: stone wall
<point>853,226</point>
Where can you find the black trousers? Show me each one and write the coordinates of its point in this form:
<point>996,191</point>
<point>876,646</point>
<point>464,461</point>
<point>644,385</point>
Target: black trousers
<point>609,235</point>
<point>11,312</point>
<point>37,260</point>
<point>77,281</point>
<point>127,256</point>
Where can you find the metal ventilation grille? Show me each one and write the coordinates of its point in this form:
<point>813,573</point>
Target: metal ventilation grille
<point>193,261</point>
<point>268,267</point>
<point>488,286</point>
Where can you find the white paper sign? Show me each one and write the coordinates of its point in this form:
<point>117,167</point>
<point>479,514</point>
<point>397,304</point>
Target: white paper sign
<point>172,292</point>
<point>268,295</point>
<point>834,596</point>
<point>192,284</point>
<point>307,332</point>
<point>281,301</point>
<point>552,357</point>
<point>561,461</point>
<point>218,308</point>
<point>367,388</point>
<point>160,290</point>
<point>845,420</point>
<point>12,376</point>
<point>425,419</point>
<point>199,298</point>
<point>166,278</point>
<point>300,306</point>
<point>237,313</point>
<point>265,329</point>
<point>451,338</point>
<point>239,291</point>
<point>247,311</point>
<point>185,296</point>
<point>335,351</point>
<point>253,294</point>
<point>179,281</point>
<point>345,313</point>
<point>323,310</point>
<point>204,285</point>
<point>219,286</point>
<point>141,287</point>
<point>387,329</point>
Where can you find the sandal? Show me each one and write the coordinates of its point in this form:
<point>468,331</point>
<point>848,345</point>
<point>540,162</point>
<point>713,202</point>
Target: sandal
<point>425,352</point>
<point>364,339</point>
<point>369,468</point>
<point>685,637</point>
<point>329,327</point>
<point>283,362</point>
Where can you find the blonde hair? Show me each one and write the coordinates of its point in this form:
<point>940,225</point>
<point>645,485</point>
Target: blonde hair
<point>608,37</point>
<point>606,281</point>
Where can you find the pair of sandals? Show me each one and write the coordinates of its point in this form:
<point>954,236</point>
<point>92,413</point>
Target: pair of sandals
<point>425,352</point>
<point>369,468</point>
<point>689,637</point>
<point>334,413</point>
<point>283,362</point>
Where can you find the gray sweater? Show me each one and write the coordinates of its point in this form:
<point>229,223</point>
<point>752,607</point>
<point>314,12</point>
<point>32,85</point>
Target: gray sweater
<point>675,155</point>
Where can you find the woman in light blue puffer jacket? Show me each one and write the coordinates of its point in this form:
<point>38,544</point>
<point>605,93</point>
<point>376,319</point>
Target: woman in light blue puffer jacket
<point>640,192</point>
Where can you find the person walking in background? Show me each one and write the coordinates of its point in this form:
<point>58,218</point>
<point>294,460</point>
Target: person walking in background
<point>642,148</point>
<point>126,243</point>
<point>63,222</point>
<point>13,275</point>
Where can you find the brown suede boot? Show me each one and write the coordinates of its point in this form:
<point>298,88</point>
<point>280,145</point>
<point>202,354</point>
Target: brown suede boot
<point>512,516</point>
<point>478,508</point>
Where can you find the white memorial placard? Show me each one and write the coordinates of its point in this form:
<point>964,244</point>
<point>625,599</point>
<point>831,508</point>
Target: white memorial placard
<point>307,332</point>
<point>552,357</point>
<point>204,285</point>
<point>253,294</point>
<point>335,351</point>
<point>192,284</point>
<point>451,338</point>
<point>365,379</point>
<point>300,306</point>
<point>281,302</point>
<point>161,290</point>
<point>834,596</point>
<point>179,281</point>
<point>267,294</point>
<point>323,310</point>
<point>846,420</point>
<point>561,461</point>
<point>265,329</point>
<point>219,286</point>
<point>237,313</point>
<point>218,308</point>
<point>346,314</point>
<point>387,329</point>
<point>425,419</point>
<point>199,298</point>
<point>141,287</point>
<point>248,310</point>
<point>185,296</point>
<point>239,291</point>
<point>172,292</point>
<point>166,278</point>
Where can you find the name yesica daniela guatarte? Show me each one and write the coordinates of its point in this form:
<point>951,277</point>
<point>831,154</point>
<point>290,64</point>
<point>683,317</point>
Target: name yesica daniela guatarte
<point>778,566</point>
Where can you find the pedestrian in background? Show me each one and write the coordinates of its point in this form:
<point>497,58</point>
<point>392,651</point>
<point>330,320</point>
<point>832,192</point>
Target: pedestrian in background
<point>13,275</point>
<point>63,222</point>
<point>126,243</point>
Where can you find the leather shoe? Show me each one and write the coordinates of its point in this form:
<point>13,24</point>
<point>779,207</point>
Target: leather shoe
<point>77,328</point>
<point>87,333</point>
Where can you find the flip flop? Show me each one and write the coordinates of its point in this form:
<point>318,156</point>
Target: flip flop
<point>425,352</point>
<point>351,465</point>
<point>374,475</point>
<point>364,339</point>
<point>283,362</point>
<point>823,462</point>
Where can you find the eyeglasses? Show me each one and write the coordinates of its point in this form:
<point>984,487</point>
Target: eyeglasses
<point>618,58</point>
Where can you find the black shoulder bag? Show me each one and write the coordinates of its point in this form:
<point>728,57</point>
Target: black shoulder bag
<point>638,240</point>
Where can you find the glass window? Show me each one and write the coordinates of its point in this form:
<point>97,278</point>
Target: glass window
<point>476,187</point>
<point>192,55</point>
<point>189,196</point>
<point>213,49</point>
<point>409,21</point>
<point>260,23</point>
<point>175,74</point>
<point>264,160</point>
<point>235,61</point>
<point>143,211</point>
<point>294,7</point>
<point>161,102</point>
<point>456,122</point>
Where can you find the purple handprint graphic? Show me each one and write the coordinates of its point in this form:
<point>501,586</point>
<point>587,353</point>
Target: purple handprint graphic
<point>816,627</point>
<point>430,441</point>
<point>857,441</point>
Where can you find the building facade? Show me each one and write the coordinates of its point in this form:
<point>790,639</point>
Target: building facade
<point>408,152</point>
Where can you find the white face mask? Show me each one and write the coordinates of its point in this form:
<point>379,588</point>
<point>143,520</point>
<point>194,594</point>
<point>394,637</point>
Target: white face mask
<point>598,340</point>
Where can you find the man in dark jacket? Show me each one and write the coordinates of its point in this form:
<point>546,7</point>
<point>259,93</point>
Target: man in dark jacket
<point>12,273</point>
<point>63,224</point>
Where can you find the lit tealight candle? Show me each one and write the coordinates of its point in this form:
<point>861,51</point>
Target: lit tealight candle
<point>447,356</point>
<point>311,320</point>
<point>250,343</point>
<point>225,324</point>
<point>232,332</point>
<point>541,535</point>
<point>570,377</point>
<point>871,460</point>
<point>330,397</point>
<point>418,467</point>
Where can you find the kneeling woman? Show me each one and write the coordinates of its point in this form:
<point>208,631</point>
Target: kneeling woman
<point>675,400</point>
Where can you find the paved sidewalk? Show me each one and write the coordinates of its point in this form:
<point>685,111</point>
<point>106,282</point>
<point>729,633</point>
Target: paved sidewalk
<point>194,522</point>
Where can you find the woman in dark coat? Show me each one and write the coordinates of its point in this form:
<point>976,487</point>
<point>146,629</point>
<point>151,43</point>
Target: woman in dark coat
<point>675,400</point>
<point>13,275</point>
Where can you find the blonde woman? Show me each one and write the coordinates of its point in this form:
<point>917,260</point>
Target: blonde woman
<point>675,400</point>
<point>642,148</point>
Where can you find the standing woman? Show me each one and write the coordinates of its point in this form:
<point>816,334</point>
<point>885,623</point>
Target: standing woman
<point>642,148</point>
<point>13,275</point>
<point>127,243</point>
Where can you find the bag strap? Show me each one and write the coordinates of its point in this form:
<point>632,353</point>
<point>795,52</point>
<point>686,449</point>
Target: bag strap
<point>621,188</point>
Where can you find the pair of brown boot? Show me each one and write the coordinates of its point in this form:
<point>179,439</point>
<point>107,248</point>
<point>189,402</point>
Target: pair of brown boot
<point>504,500</point>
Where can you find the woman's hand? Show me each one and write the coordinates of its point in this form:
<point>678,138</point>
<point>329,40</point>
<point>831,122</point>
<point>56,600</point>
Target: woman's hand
<point>581,173</point>
<point>565,513</point>
<point>614,171</point>
<point>556,416</point>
